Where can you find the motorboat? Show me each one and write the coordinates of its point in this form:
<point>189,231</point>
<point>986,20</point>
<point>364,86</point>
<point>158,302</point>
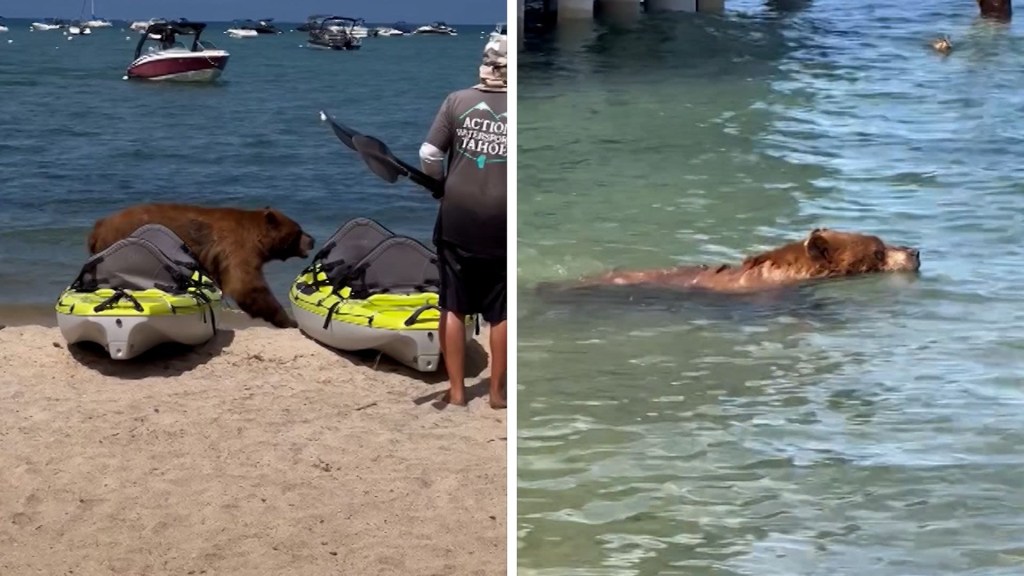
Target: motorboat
<point>241,33</point>
<point>264,26</point>
<point>141,25</point>
<point>3,27</point>
<point>48,24</point>
<point>389,31</point>
<point>202,62</point>
<point>98,23</point>
<point>334,33</point>
<point>251,29</point>
<point>399,28</point>
<point>436,28</point>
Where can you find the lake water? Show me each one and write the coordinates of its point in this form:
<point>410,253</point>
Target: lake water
<point>869,426</point>
<point>78,142</point>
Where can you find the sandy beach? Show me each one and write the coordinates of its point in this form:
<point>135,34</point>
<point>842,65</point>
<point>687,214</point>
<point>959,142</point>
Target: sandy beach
<point>260,453</point>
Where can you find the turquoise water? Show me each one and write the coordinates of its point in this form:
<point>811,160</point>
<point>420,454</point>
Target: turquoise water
<point>870,426</point>
<point>78,142</point>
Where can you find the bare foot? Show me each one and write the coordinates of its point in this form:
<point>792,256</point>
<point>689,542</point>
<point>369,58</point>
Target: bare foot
<point>453,398</point>
<point>497,398</point>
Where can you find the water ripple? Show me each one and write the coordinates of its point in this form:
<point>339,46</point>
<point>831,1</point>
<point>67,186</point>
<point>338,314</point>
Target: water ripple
<point>864,426</point>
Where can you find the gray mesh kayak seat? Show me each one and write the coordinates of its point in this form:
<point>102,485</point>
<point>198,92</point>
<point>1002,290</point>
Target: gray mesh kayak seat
<point>369,259</point>
<point>350,244</point>
<point>176,249</point>
<point>398,265</point>
<point>151,257</point>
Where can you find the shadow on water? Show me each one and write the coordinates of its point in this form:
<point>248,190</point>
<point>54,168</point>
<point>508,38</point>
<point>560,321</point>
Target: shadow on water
<point>816,304</point>
<point>689,44</point>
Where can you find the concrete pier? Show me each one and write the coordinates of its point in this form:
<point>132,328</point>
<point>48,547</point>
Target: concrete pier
<point>615,9</point>
<point>685,5</point>
<point>575,9</point>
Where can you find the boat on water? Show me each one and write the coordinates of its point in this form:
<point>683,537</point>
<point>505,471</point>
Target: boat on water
<point>334,33</point>
<point>437,28</point>
<point>48,24</point>
<point>202,62</point>
<point>78,29</point>
<point>93,21</point>
<point>388,31</point>
<point>3,27</point>
<point>141,25</point>
<point>241,33</point>
<point>399,28</point>
<point>249,28</point>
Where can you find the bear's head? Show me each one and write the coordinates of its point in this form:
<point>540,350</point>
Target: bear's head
<point>829,253</point>
<point>283,238</point>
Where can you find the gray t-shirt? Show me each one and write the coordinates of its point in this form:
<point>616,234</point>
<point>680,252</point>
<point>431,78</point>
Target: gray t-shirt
<point>470,129</point>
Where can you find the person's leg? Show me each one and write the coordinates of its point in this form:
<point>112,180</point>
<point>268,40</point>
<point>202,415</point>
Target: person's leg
<point>499,363</point>
<point>453,348</point>
<point>452,328</point>
<point>495,315</point>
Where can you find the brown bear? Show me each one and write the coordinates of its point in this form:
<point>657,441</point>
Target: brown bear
<point>823,254</point>
<point>232,244</point>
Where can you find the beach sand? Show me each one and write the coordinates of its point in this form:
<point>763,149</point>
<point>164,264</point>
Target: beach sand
<point>260,453</point>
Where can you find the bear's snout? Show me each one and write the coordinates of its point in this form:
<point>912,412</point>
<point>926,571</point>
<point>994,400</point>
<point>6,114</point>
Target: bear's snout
<point>903,259</point>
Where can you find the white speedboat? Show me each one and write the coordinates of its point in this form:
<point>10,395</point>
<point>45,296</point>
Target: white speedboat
<point>241,33</point>
<point>48,24</point>
<point>389,31</point>
<point>436,28</point>
<point>202,62</point>
<point>141,25</point>
<point>3,28</point>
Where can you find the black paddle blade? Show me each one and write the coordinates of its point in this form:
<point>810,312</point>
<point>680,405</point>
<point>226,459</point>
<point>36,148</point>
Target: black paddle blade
<point>378,158</point>
<point>344,133</point>
<point>385,164</point>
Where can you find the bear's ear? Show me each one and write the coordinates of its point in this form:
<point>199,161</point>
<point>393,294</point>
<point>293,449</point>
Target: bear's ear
<point>817,246</point>
<point>271,217</point>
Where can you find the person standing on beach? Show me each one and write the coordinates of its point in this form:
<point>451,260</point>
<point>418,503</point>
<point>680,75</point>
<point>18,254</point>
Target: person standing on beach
<point>470,230</point>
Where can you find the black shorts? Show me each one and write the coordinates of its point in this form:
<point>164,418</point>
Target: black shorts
<point>472,284</point>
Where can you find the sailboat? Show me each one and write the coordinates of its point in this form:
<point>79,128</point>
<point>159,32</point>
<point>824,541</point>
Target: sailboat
<point>93,21</point>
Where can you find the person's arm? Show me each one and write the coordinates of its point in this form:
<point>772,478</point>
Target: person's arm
<point>439,139</point>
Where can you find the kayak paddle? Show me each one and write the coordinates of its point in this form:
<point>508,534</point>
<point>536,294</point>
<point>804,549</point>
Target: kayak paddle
<point>379,158</point>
